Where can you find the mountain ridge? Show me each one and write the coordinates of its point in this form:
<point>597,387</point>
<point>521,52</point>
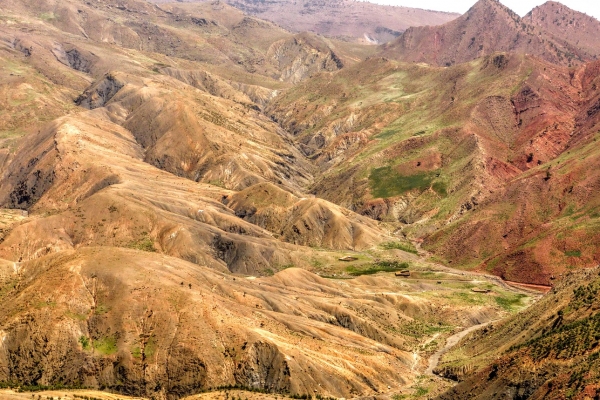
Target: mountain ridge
<point>475,34</point>
<point>353,20</point>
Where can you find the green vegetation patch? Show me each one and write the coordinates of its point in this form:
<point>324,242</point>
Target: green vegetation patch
<point>381,266</point>
<point>386,182</point>
<point>136,352</point>
<point>510,303</point>
<point>419,329</point>
<point>85,342</point>
<point>145,244</point>
<point>106,345</point>
<point>407,247</point>
<point>585,296</point>
<point>573,253</point>
<point>47,16</point>
<point>567,341</point>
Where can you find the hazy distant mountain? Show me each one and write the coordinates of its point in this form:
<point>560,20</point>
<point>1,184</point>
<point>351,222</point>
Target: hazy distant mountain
<point>355,20</point>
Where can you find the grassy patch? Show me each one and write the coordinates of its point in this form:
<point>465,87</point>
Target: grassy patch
<point>145,244</point>
<point>573,253</point>
<point>440,188</point>
<point>420,329</point>
<point>106,346</point>
<point>85,342</point>
<point>48,16</point>
<point>136,352</point>
<point>385,182</point>
<point>382,266</point>
<point>510,303</point>
<point>76,316</point>
<point>151,346</point>
<point>407,247</point>
<point>43,304</point>
<point>7,287</point>
<point>101,309</point>
<point>421,391</point>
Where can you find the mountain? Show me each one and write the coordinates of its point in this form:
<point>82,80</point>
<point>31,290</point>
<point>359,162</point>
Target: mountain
<point>550,351</point>
<point>345,19</point>
<point>197,200</point>
<point>567,26</point>
<point>489,163</point>
<point>490,27</point>
<point>157,238</point>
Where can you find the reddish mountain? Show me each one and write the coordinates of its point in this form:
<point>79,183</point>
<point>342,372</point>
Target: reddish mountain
<point>486,28</point>
<point>567,26</point>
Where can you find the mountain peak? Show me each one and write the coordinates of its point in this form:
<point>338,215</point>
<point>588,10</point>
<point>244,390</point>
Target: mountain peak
<point>551,32</point>
<point>487,6</point>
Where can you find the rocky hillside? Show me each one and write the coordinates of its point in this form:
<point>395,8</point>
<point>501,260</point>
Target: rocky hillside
<point>345,19</point>
<point>156,237</point>
<point>488,161</point>
<point>550,351</point>
<point>568,26</point>
<point>489,27</point>
<point>219,37</point>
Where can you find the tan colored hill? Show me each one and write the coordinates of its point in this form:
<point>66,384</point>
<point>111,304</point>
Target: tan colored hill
<point>549,351</point>
<point>216,35</point>
<point>304,221</point>
<point>346,19</point>
<point>160,235</point>
<point>146,324</point>
<point>124,265</point>
<point>486,28</point>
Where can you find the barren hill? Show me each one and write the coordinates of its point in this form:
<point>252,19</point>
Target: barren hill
<point>156,239</point>
<point>346,19</point>
<point>489,27</point>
